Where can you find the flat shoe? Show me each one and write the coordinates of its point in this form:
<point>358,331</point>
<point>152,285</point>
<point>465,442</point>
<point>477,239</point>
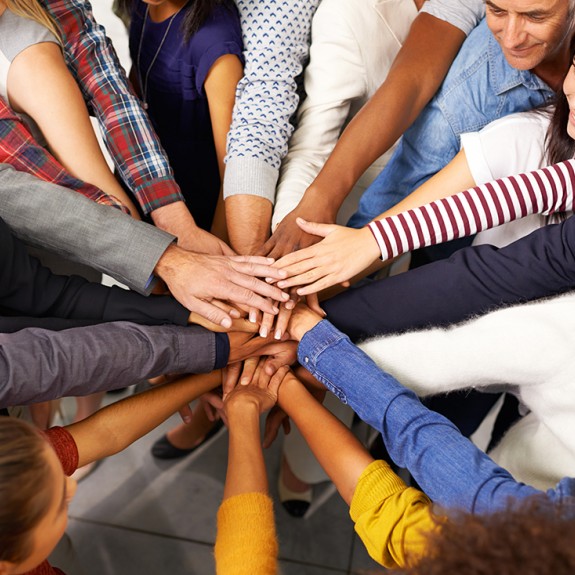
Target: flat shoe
<point>296,503</point>
<point>163,449</point>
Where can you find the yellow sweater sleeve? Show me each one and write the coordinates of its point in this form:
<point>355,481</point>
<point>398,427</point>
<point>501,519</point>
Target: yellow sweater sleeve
<point>246,542</point>
<point>390,517</point>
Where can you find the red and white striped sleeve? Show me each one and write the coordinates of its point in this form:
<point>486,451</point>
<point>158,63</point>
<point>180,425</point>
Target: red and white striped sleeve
<point>545,191</point>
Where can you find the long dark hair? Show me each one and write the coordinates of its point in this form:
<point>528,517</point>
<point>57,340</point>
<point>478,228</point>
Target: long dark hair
<point>559,146</point>
<point>196,13</point>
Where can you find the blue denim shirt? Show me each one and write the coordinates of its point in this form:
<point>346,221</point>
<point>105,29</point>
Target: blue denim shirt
<point>449,468</point>
<point>480,87</point>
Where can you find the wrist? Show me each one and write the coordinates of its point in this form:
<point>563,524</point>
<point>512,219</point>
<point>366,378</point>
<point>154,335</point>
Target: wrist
<point>241,408</point>
<point>174,218</point>
<point>302,322</point>
<point>318,205</point>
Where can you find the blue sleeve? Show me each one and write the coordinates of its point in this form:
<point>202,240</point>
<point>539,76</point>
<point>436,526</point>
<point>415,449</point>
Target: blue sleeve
<point>449,468</point>
<point>473,281</point>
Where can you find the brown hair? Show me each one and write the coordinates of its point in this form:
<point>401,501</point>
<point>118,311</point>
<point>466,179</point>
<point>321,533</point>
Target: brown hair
<point>533,537</point>
<point>559,145</point>
<point>32,10</point>
<point>24,498</point>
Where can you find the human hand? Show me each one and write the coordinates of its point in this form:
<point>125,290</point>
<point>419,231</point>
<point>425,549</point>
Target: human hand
<point>239,324</point>
<point>261,391</point>
<point>289,237</point>
<point>176,219</point>
<point>197,279</point>
<point>342,254</point>
<point>302,320</point>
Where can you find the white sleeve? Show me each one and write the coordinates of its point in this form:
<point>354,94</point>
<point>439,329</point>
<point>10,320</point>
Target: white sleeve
<point>463,14</point>
<point>520,346</point>
<point>510,145</point>
<point>334,77</point>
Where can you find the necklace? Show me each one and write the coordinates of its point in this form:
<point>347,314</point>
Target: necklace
<point>144,83</point>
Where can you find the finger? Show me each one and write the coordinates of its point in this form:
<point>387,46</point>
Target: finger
<point>266,324</point>
<point>227,250</point>
<point>273,421</point>
<point>312,301</point>
<point>230,378</point>
<point>185,413</point>
<point>257,269</point>
<point>250,366</point>
<point>210,312</point>
<point>276,380</point>
<point>283,318</point>
<point>314,228</point>
<point>286,425</point>
<point>287,262</point>
<point>254,316</point>
<point>245,289</point>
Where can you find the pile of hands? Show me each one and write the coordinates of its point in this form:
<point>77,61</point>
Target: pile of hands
<point>256,369</point>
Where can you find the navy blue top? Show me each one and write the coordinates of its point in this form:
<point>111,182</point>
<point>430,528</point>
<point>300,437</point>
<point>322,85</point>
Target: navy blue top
<point>177,102</point>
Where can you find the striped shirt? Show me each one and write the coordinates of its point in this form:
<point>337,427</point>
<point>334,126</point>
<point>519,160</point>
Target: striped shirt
<point>546,191</point>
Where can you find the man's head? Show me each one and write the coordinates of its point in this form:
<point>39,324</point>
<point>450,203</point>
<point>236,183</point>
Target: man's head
<point>533,34</point>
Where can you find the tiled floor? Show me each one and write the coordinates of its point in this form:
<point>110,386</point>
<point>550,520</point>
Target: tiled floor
<point>137,515</point>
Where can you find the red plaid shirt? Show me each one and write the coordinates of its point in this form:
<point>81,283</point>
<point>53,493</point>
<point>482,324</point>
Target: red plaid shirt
<point>129,136</point>
<point>19,149</point>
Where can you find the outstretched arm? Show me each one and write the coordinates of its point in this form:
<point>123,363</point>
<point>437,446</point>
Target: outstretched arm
<point>118,425</point>
<point>545,191</point>
<point>448,467</point>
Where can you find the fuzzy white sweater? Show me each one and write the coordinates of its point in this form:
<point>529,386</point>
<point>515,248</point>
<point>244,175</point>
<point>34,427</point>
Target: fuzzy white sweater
<point>530,349</point>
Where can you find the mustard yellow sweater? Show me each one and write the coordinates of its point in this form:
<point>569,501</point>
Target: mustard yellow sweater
<point>390,517</point>
<point>246,543</point>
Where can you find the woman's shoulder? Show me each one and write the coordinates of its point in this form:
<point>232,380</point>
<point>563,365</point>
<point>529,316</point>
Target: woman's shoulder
<point>18,33</point>
<point>221,26</point>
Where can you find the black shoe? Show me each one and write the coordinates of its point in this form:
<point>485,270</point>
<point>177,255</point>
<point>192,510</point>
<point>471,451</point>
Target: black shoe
<point>296,503</point>
<point>163,449</point>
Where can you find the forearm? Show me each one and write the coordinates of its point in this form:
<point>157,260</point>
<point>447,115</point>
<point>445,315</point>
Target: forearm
<point>413,79</point>
<point>248,220</point>
<point>37,365</point>
<point>266,100</point>
<point>325,435</point>
<point>421,440</point>
<point>125,421</point>
<point>544,191</point>
<point>246,468</point>
<point>29,289</point>
<point>81,230</point>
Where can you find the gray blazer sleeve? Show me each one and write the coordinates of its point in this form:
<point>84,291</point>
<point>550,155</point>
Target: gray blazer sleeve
<point>37,364</point>
<point>67,223</point>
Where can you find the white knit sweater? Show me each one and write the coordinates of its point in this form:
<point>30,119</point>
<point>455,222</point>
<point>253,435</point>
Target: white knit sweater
<point>530,349</point>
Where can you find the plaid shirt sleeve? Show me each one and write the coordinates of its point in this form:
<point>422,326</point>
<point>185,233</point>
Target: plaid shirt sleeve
<point>19,149</point>
<point>128,133</point>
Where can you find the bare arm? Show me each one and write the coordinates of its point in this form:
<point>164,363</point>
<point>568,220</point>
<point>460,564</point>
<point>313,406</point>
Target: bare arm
<point>220,86</point>
<point>40,85</point>
<point>413,79</point>
<point>118,425</point>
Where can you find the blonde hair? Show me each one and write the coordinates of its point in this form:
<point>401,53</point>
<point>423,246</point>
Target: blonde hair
<point>32,10</point>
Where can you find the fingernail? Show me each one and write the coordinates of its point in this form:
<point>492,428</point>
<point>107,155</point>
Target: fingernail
<point>281,284</point>
<point>275,309</point>
<point>278,334</point>
<point>263,331</point>
<point>285,296</point>
<point>226,322</point>
<point>244,381</point>
<point>253,316</point>
<point>187,419</point>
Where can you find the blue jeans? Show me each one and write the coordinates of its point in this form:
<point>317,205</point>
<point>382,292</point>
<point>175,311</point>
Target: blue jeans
<point>480,87</point>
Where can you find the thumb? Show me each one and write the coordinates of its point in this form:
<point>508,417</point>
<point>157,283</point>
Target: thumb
<point>314,228</point>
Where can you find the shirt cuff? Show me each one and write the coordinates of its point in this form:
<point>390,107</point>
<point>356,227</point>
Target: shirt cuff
<point>159,192</point>
<point>251,177</point>
<point>222,350</point>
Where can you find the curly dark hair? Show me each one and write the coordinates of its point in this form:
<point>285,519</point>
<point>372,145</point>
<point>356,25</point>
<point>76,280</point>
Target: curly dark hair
<point>532,537</point>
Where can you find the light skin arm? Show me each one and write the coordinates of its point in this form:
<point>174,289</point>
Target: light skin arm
<point>310,416</point>
<point>413,79</point>
<point>345,253</point>
<point>118,425</point>
<point>220,87</point>
<point>61,115</point>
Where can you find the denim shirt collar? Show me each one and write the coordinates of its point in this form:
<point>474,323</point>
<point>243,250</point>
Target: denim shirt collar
<point>504,78</point>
